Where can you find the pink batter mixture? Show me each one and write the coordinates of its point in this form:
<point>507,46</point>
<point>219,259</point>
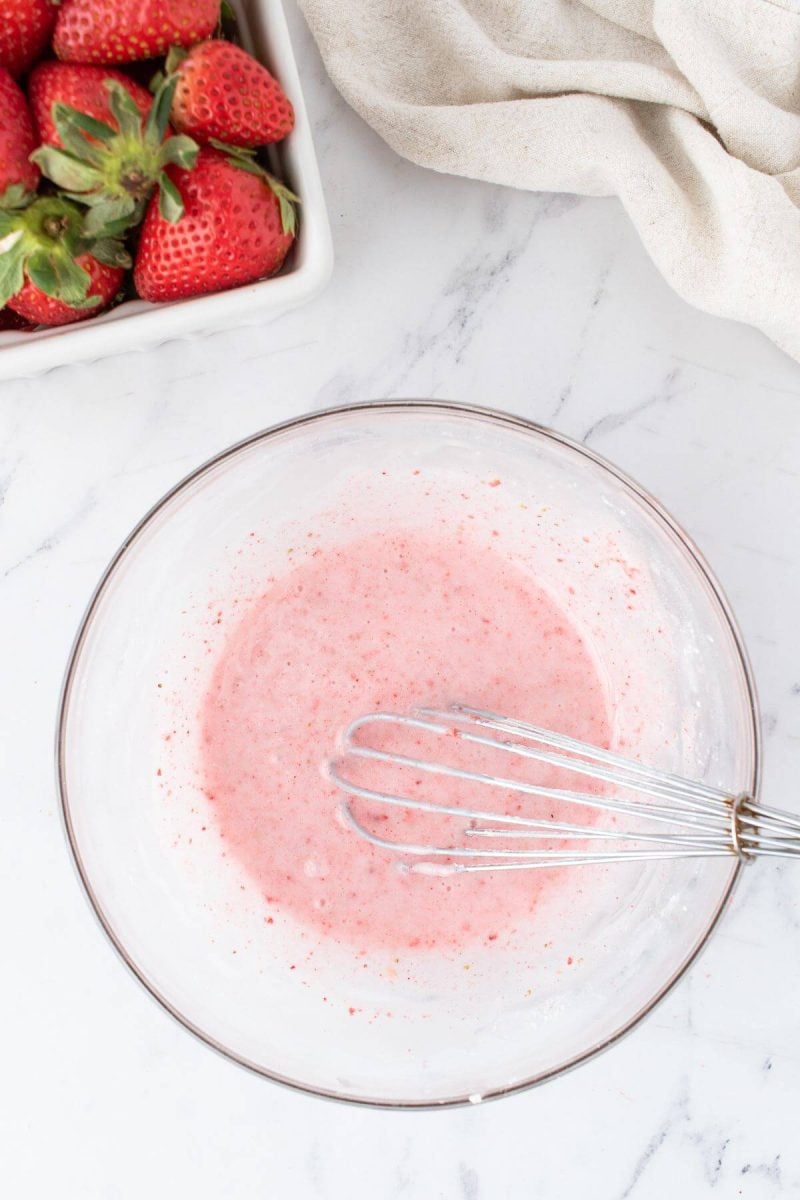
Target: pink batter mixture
<point>384,622</point>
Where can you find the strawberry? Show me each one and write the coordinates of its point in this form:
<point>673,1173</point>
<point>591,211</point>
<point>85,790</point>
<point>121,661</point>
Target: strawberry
<point>113,166</point>
<point>25,27</point>
<point>17,174</point>
<point>82,88</point>
<point>50,272</point>
<point>237,226</point>
<point>114,31</point>
<point>36,307</point>
<point>225,93</point>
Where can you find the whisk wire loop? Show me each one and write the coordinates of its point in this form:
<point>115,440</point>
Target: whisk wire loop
<point>702,821</point>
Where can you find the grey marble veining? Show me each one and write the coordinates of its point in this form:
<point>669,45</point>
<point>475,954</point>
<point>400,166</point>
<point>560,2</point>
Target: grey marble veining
<point>545,306</point>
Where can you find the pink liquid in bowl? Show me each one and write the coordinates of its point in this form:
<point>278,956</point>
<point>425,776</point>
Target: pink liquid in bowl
<point>383,622</point>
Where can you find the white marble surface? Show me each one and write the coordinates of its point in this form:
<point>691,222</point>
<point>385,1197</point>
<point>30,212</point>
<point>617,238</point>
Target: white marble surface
<point>543,305</point>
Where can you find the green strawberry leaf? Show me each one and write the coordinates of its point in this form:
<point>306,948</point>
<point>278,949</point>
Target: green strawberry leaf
<point>94,128</point>
<point>9,224</point>
<point>65,169</point>
<point>86,302</point>
<point>117,227</point>
<point>180,150</point>
<point>76,144</point>
<point>74,140</point>
<point>59,276</point>
<point>245,160</point>
<point>124,109</point>
<point>158,117</point>
<point>12,258</point>
<point>76,197</point>
<point>15,196</point>
<point>286,202</point>
<point>235,153</point>
<point>170,201</point>
<point>174,59</point>
<point>245,164</point>
<point>111,252</point>
<point>42,272</point>
<point>113,213</point>
<point>73,128</point>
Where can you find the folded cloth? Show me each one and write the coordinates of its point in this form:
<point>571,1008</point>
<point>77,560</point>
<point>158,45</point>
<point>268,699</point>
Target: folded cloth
<point>688,110</point>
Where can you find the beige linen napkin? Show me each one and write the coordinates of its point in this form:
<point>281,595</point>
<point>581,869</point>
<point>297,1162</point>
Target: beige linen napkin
<point>688,110</point>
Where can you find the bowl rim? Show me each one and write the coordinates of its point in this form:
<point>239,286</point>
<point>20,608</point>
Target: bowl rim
<point>444,407</point>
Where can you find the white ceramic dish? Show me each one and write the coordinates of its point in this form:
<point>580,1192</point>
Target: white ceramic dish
<point>192,928</point>
<point>136,324</point>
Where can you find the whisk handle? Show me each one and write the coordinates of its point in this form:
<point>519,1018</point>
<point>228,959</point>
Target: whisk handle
<point>756,831</point>
<point>737,804</point>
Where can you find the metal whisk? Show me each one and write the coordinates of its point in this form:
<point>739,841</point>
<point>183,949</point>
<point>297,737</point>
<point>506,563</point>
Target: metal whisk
<point>682,818</point>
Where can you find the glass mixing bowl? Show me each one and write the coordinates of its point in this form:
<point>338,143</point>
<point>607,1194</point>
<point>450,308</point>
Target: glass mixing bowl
<point>193,929</point>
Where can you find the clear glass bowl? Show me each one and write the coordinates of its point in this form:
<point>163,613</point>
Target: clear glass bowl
<point>192,929</point>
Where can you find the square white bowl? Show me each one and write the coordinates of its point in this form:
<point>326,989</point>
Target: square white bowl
<point>137,324</point>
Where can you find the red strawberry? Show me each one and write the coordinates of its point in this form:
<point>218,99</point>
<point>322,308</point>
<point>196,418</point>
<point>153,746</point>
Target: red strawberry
<point>40,309</point>
<point>50,272</point>
<point>25,27</point>
<point>81,87</point>
<point>225,93</point>
<point>113,168</point>
<point>237,226</point>
<point>114,31</point>
<point>17,141</point>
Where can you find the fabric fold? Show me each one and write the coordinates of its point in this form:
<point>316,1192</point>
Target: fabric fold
<point>687,110</point>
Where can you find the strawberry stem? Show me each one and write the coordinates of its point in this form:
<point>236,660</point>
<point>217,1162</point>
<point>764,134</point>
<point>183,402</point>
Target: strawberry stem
<point>55,225</point>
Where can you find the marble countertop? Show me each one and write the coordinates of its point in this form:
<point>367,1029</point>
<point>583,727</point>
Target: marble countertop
<point>542,305</point>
